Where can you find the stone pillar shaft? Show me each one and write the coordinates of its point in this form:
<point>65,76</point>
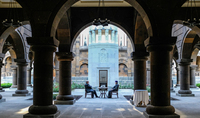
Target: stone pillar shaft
<point>99,35</point>
<point>21,78</point>
<point>22,71</point>
<point>43,75</point>
<point>57,75</point>
<point>65,78</point>
<point>192,76</point>
<point>177,76</point>
<point>14,81</point>
<point>65,96</point>
<point>0,76</point>
<point>159,93</point>
<point>43,62</point>
<point>160,56</point>
<point>184,77</point>
<point>90,37</point>
<point>139,70</point>
<point>29,76</point>
<point>148,76</point>
<point>93,36</point>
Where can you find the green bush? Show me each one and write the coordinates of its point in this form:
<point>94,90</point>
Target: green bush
<point>6,85</point>
<point>198,85</point>
<point>148,89</point>
<point>126,86</point>
<point>73,86</point>
<point>55,89</point>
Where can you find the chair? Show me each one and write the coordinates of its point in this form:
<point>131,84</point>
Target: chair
<point>87,93</point>
<point>116,92</point>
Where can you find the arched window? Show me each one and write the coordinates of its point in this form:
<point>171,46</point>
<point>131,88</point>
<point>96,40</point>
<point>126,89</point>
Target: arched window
<point>123,70</point>
<point>84,70</point>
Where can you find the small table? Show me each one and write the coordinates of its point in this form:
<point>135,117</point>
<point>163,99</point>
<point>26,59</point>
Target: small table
<point>141,96</point>
<point>102,91</point>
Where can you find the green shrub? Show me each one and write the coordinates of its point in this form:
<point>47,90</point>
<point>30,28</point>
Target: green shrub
<point>126,86</point>
<point>55,89</point>
<point>73,86</point>
<point>148,89</point>
<point>6,85</point>
<point>198,85</point>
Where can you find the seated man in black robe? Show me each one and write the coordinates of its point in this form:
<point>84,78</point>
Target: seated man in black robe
<point>115,88</point>
<point>88,89</point>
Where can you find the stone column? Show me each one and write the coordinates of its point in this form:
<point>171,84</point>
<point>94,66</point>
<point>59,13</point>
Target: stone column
<point>107,35</point>
<point>192,76</point>
<point>139,69</point>
<point>113,36</point>
<point>93,36</point>
<point>99,34</point>
<point>148,76</point>
<point>1,89</point>
<point>90,37</point>
<point>29,76</point>
<point>171,82</point>
<point>116,37</point>
<point>177,76</point>
<point>160,57</point>
<point>14,82</point>
<point>57,75</point>
<point>21,78</point>
<point>43,77</point>
<point>65,96</point>
<point>184,65</point>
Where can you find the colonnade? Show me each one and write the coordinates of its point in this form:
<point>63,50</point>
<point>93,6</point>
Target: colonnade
<point>160,74</point>
<point>95,35</point>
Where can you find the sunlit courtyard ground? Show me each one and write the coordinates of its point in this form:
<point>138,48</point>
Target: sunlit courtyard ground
<point>16,107</point>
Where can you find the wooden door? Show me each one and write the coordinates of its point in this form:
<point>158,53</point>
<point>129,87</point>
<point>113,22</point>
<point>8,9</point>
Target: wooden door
<point>103,77</point>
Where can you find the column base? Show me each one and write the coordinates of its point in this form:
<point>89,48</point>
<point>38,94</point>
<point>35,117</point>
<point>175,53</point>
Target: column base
<point>18,95</point>
<point>64,102</point>
<point>185,92</point>
<point>193,86</point>
<point>185,95</point>
<point>2,90</point>
<point>2,100</point>
<point>28,115</point>
<point>13,86</point>
<point>160,116</point>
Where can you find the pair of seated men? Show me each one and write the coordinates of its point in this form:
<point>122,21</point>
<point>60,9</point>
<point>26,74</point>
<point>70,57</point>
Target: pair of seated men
<point>88,89</point>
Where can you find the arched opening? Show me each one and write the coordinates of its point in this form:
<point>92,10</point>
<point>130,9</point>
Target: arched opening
<point>84,70</point>
<point>123,70</point>
<point>99,54</point>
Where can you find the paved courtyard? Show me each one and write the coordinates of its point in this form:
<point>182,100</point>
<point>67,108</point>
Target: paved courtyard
<point>16,107</point>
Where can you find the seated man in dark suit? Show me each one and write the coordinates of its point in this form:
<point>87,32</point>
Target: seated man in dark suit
<point>88,89</point>
<point>115,88</point>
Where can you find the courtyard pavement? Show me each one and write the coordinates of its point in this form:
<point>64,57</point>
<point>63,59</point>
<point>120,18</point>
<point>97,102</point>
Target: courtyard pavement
<point>16,107</point>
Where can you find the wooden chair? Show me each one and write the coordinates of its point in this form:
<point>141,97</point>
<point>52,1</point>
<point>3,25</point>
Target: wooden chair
<point>116,92</point>
<point>87,93</point>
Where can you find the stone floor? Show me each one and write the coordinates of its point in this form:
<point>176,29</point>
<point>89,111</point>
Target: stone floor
<point>16,107</point>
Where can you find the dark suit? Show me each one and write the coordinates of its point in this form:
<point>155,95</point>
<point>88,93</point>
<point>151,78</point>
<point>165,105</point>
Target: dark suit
<point>115,88</point>
<point>88,89</point>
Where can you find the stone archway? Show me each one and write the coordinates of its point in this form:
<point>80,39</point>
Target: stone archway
<point>69,3</point>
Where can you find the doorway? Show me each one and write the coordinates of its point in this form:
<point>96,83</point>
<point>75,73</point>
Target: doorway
<point>103,78</point>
